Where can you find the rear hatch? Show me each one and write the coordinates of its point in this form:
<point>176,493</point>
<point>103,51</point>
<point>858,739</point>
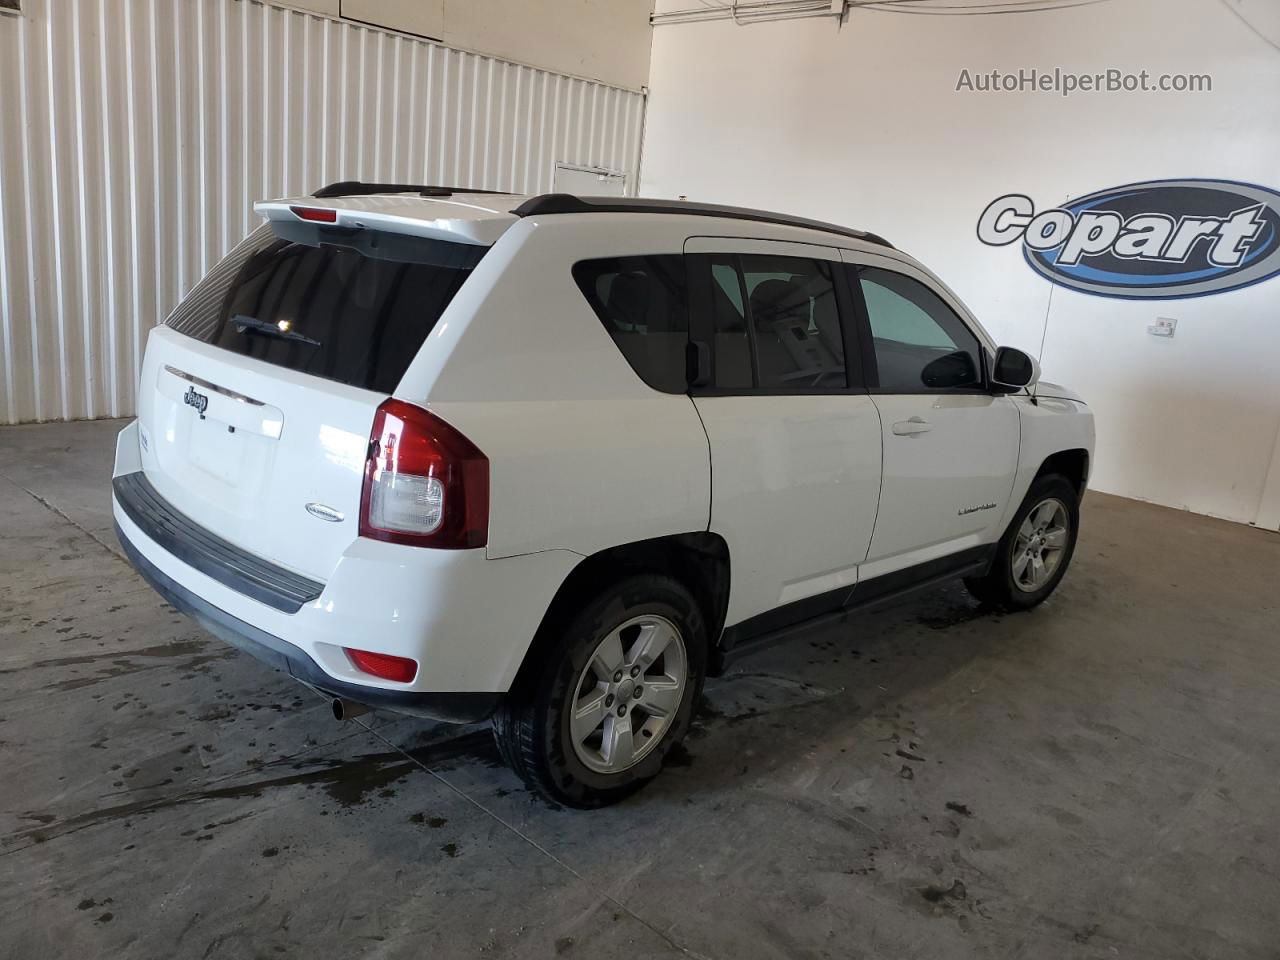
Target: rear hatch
<point>259,391</point>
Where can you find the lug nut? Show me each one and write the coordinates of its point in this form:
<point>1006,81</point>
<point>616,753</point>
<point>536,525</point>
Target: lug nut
<point>608,700</point>
<point>638,692</point>
<point>622,710</point>
<point>617,677</point>
<point>635,672</point>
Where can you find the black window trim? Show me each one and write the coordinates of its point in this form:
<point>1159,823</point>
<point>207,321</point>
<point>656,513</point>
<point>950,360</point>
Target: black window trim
<point>866,342</point>
<point>698,271</point>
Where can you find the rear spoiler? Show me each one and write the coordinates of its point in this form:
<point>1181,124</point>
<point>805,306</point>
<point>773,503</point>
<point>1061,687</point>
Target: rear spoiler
<point>457,221</point>
<point>357,188</point>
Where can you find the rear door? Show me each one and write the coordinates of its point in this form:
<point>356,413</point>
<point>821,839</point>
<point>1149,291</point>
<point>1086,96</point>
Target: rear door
<point>795,440</point>
<point>950,445</point>
<point>258,393</point>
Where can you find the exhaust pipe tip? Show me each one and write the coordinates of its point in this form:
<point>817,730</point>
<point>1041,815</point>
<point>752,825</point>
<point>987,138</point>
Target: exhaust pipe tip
<point>347,709</point>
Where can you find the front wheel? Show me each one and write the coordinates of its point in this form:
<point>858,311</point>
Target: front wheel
<point>593,723</point>
<point>1032,556</point>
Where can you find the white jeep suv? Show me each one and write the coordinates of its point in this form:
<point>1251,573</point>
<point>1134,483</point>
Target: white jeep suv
<point>554,460</point>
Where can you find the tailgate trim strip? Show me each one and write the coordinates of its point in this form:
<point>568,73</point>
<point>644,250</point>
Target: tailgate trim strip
<point>192,378</point>
<point>207,552</point>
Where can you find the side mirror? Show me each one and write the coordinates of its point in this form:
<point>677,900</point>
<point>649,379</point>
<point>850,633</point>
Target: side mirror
<point>1013,370</point>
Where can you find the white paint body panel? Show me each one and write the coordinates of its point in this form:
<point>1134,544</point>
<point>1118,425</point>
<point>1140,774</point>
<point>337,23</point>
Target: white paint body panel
<point>583,457</point>
<point>796,479</point>
<point>435,606</point>
<point>463,218</point>
<point>1047,425</point>
<point>248,486</point>
<point>945,489</point>
<point>795,486</point>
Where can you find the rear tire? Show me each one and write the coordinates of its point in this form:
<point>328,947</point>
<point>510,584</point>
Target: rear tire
<point>593,722</point>
<point>1036,549</point>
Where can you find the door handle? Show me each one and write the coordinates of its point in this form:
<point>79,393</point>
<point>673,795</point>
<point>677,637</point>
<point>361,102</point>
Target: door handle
<point>909,428</point>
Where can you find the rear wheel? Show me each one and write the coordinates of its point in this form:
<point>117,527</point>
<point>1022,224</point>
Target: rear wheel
<point>594,722</point>
<point>1033,555</point>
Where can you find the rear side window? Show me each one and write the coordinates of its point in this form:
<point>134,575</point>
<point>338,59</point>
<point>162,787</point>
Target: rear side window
<point>642,304</point>
<point>774,322</point>
<point>350,306</point>
<point>792,304</point>
<point>731,346</point>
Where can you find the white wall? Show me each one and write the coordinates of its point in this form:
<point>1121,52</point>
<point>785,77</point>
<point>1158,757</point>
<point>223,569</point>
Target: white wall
<point>862,125</point>
<point>606,40</point>
<point>136,134</point>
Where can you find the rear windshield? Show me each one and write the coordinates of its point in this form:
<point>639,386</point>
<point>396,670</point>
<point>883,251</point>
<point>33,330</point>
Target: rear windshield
<point>348,305</point>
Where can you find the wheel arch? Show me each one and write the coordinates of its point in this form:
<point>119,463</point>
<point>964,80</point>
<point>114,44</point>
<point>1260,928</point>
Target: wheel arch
<point>1072,464</point>
<point>699,561</point>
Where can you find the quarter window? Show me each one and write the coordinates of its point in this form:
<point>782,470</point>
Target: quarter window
<point>920,343</point>
<point>641,303</point>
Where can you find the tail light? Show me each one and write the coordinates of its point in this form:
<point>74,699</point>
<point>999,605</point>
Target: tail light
<point>425,484</point>
<point>316,214</point>
<point>384,665</point>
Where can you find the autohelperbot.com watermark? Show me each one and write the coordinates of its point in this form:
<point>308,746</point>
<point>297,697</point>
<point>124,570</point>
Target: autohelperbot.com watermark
<point>1066,83</point>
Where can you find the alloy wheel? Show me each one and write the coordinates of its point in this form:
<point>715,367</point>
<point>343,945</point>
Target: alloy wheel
<point>1040,545</point>
<point>628,694</point>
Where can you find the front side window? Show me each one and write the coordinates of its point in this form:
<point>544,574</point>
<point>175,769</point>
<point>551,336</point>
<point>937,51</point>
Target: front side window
<point>920,343</point>
<point>641,303</point>
<point>350,306</point>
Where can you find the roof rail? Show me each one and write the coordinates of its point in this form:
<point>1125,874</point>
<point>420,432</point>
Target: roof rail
<point>355,188</point>
<point>568,203</point>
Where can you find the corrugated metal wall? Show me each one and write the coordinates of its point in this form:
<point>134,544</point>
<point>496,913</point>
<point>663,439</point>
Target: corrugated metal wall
<point>136,134</point>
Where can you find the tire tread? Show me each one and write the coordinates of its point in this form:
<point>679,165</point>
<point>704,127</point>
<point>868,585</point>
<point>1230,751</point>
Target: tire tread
<point>995,588</point>
<point>518,720</point>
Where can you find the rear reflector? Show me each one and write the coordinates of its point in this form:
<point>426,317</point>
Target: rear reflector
<point>425,484</point>
<point>316,214</point>
<point>384,665</point>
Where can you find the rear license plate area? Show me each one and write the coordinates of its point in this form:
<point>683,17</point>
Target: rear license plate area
<point>216,448</point>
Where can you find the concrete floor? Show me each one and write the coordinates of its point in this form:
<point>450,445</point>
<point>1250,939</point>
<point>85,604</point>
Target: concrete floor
<point>1097,778</point>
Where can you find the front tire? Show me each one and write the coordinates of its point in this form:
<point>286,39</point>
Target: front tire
<point>1036,549</point>
<point>594,722</point>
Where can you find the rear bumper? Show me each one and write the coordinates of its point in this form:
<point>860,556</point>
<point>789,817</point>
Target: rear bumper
<point>466,619</point>
<point>453,707</point>
<point>265,582</point>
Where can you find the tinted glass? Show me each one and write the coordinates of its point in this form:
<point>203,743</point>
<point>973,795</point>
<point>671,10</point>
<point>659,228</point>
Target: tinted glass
<point>795,323</point>
<point>920,343</point>
<point>732,348</point>
<point>641,302</point>
<point>350,306</point>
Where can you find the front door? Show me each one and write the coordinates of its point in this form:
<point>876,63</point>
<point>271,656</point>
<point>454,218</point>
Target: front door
<point>950,444</point>
<point>795,439</point>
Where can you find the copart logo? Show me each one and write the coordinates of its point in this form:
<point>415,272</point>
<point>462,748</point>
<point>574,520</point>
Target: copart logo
<point>1160,240</point>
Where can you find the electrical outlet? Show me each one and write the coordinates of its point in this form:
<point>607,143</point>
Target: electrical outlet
<point>1163,327</point>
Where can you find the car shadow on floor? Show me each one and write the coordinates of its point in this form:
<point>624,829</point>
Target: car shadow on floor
<point>780,699</point>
